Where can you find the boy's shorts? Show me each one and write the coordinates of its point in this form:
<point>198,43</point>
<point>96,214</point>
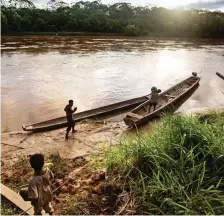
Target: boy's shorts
<point>37,210</point>
<point>24,194</point>
<point>71,123</point>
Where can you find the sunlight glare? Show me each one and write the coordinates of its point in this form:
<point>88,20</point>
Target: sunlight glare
<point>173,3</point>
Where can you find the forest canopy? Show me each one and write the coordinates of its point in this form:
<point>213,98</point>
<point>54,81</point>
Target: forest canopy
<point>118,18</point>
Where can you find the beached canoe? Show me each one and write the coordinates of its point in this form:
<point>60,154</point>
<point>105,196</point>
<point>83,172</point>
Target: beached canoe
<point>93,113</point>
<point>166,102</point>
<point>220,75</point>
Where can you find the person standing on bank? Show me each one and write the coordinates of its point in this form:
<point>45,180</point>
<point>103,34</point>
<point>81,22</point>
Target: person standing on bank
<point>70,120</point>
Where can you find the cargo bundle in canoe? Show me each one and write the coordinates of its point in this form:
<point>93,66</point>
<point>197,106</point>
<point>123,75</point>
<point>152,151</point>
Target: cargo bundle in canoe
<point>93,113</point>
<point>166,101</point>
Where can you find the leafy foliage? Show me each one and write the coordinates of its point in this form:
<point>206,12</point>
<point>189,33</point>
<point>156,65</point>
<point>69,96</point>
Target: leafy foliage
<point>131,30</point>
<point>122,18</point>
<point>8,209</point>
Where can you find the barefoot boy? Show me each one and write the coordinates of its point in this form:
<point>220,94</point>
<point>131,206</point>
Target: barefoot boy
<point>70,120</point>
<point>39,191</point>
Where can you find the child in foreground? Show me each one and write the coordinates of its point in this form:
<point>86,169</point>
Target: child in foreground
<point>39,191</point>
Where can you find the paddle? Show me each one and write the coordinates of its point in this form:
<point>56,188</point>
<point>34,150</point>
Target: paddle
<point>220,75</point>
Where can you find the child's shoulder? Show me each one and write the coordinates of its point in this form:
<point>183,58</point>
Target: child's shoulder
<point>49,172</point>
<point>34,180</point>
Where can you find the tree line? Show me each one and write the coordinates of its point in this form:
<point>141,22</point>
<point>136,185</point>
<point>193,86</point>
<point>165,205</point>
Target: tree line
<point>118,18</point>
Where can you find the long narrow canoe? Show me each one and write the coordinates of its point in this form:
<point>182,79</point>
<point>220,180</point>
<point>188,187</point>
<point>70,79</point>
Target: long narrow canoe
<point>93,113</point>
<point>220,75</point>
<point>166,101</point>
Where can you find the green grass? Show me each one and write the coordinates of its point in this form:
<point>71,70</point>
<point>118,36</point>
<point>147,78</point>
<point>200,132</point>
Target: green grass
<point>60,167</point>
<point>176,169</point>
<point>57,161</point>
<point>18,177</point>
<point>7,209</point>
<point>77,205</point>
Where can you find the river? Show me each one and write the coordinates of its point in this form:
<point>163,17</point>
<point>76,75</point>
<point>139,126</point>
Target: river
<point>39,74</point>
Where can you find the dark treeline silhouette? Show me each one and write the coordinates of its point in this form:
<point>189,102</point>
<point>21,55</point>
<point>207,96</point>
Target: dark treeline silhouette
<point>118,18</point>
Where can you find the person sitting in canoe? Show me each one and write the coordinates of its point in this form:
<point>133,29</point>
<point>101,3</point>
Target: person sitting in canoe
<point>153,101</point>
<point>70,120</point>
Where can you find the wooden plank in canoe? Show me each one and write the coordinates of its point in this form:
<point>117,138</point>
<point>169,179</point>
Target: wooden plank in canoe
<point>135,115</point>
<point>169,96</point>
<point>177,92</point>
<point>16,199</point>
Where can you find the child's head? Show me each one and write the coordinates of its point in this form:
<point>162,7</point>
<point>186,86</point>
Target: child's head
<point>153,89</point>
<point>37,161</point>
<point>70,102</point>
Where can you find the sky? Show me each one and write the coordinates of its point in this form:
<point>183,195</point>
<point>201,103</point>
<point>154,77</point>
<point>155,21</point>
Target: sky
<point>197,4</point>
<point>203,4</point>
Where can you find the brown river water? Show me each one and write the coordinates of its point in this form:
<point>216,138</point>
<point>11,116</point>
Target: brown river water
<point>40,73</point>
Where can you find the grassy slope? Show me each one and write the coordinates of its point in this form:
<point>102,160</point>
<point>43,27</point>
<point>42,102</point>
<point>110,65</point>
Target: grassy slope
<point>177,169</point>
<point>8,209</point>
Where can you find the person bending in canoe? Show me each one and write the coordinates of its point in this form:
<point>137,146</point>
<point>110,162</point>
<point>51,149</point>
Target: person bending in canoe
<point>70,120</point>
<point>153,101</point>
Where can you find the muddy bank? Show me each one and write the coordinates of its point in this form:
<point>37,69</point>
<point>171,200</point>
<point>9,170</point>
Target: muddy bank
<point>73,174</point>
<point>89,137</point>
<point>76,178</point>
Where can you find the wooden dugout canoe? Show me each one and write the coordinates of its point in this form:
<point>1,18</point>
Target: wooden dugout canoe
<point>93,113</point>
<point>166,102</point>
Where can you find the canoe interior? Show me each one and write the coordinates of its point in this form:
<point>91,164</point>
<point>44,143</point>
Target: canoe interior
<point>168,97</point>
<point>62,121</point>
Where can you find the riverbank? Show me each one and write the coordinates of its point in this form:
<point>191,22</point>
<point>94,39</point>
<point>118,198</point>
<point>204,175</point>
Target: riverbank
<point>103,34</point>
<point>99,186</point>
<point>156,36</point>
<point>176,169</point>
<point>90,136</point>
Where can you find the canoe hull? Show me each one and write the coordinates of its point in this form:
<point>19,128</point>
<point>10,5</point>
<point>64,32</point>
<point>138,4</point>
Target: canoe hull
<point>93,113</point>
<point>167,108</point>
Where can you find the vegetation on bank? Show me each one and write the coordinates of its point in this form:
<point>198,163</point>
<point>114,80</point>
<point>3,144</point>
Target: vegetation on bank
<point>7,208</point>
<point>118,18</point>
<point>177,169</point>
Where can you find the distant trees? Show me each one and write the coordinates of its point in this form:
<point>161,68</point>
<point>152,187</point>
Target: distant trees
<point>131,30</point>
<point>116,18</point>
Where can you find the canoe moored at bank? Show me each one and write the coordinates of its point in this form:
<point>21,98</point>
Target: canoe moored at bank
<point>93,113</point>
<point>166,100</point>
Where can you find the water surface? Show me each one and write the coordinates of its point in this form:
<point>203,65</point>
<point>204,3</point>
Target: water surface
<point>40,74</point>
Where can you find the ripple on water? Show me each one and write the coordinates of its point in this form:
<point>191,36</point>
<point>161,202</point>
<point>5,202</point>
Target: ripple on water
<point>40,73</point>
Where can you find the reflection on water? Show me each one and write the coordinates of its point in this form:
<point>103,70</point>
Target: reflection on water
<point>39,74</point>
